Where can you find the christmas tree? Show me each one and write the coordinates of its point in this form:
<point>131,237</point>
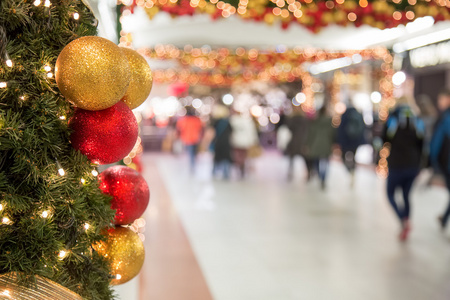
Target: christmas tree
<point>51,208</point>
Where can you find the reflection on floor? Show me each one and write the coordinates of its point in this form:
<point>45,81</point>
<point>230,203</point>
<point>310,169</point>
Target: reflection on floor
<point>170,270</point>
<point>268,239</point>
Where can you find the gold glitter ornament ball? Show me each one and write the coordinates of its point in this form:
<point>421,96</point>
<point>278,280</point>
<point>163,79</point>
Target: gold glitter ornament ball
<point>125,251</point>
<point>92,73</point>
<point>141,79</point>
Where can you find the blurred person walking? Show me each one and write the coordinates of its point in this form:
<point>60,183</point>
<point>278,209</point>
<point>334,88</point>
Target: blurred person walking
<point>298,124</point>
<point>220,144</point>
<point>440,147</point>
<point>319,143</point>
<point>190,131</point>
<point>404,132</point>
<point>429,116</point>
<point>350,135</point>
<point>244,136</point>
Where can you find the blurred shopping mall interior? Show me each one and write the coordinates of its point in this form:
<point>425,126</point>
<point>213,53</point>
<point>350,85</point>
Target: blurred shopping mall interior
<point>265,224</point>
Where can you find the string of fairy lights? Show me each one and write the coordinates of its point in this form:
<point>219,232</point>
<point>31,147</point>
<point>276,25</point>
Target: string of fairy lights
<point>312,14</point>
<point>224,67</point>
<point>47,70</point>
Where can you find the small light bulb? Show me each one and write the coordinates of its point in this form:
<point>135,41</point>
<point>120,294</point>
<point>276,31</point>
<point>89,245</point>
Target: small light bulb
<point>22,98</point>
<point>37,3</point>
<point>76,16</point>
<point>118,276</point>
<point>62,117</point>
<point>3,85</point>
<point>9,63</point>
<point>50,75</point>
<point>94,172</point>
<point>83,181</point>
<point>47,68</point>
<point>61,172</point>
<point>6,293</point>
<point>6,220</point>
<point>45,214</point>
<point>62,254</point>
<point>86,226</point>
<point>47,3</point>
<point>1,207</point>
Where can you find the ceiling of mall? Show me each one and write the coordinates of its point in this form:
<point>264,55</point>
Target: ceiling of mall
<point>234,32</point>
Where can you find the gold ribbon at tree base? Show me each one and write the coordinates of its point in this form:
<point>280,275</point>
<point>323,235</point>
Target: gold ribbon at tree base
<point>44,289</point>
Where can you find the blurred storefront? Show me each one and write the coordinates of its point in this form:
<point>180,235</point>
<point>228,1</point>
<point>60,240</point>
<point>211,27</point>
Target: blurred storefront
<point>430,68</point>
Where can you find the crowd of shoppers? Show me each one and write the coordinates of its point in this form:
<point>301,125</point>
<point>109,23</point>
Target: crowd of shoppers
<point>413,134</point>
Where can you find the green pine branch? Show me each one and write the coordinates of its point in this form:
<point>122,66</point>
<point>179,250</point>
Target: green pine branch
<point>43,213</point>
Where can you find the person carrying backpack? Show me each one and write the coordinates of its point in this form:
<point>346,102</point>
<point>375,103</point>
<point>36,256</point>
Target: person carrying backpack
<point>350,135</point>
<point>404,132</point>
<point>440,147</point>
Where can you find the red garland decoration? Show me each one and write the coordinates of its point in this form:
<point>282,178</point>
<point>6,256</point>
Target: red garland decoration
<point>377,13</point>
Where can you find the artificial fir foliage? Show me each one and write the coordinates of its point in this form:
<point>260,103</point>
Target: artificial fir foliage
<point>51,209</point>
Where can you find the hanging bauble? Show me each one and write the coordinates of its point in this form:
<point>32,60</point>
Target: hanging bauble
<point>92,73</point>
<point>125,251</point>
<point>141,79</point>
<point>129,190</point>
<point>104,136</point>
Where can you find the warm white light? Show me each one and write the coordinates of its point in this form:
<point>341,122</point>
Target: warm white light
<point>357,58</point>
<point>6,220</point>
<point>86,226</point>
<point>1,207</point>
<point>22,98</point>
<point>47,68</point>
<point>263,121</point>
<point>340,108</point>
<point>37,3</point>
<point>227,99</point>
<point>3,85</point>
<point>256,111</point>
<point>274,118</point>
<point>9,63</point>
<point>330,65</point>
<point>47,3</point>
<point>76,16</point>
<point>6,293</point>
<point>140,222</point>
<point>94,172</point>
<point>62,117</point>
<point>50,75</point>
<point>300,98</point>
<point>62,254</point>
<point>375,97</point>
<point>45,214</point>
<point>61,172</point>
<point>83,181</point>
<point>398,78</point>
<point>422,40</point>
<point>420,24</point>
<point>118,276</point>
<point>197,103</point>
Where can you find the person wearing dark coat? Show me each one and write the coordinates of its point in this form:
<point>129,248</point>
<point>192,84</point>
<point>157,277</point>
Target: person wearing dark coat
<point>298,124</point>
<point>404,132</point>
<point>222,147</point>
<point>440,148</point>
<point>319,143</point>
<point>350,135</point>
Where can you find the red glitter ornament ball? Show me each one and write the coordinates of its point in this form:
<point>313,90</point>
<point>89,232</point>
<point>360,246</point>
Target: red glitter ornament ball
<point>104,136</point>
<point>129,190</point>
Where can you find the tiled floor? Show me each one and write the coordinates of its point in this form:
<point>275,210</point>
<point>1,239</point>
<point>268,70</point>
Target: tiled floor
<point>267,239</point>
